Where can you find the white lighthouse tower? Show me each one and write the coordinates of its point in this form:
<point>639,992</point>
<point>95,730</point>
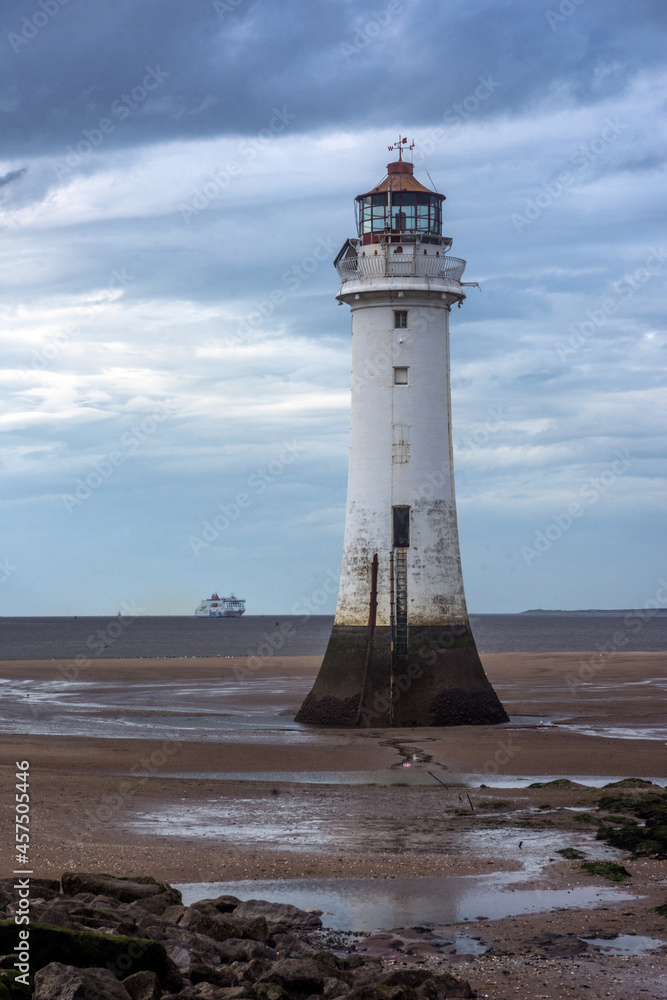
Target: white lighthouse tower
<point>401,651</point>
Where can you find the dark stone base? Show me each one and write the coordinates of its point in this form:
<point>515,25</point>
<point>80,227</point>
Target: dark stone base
<point>439,682</point>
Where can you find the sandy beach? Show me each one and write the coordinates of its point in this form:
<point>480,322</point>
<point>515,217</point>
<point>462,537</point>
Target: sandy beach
<point>277,801</point>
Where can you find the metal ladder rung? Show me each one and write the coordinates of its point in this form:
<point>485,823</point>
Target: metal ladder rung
<point>401,599</point>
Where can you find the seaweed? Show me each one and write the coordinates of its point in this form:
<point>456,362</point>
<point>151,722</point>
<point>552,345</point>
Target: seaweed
<point>649,840</point>
<point>587,818</point>
<point>606,869</point>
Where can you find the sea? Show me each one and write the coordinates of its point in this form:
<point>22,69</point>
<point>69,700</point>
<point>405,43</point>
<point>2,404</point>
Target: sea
<point>292,635</point>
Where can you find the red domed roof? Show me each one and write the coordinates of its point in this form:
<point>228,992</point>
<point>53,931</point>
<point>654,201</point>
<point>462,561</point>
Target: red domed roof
<point>400,177</point>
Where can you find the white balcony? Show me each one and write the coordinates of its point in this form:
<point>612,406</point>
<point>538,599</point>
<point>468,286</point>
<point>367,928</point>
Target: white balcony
<point>401,266</point>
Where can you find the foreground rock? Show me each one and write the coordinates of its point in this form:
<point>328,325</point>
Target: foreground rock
<point>109,938</point>
<point>62,982</point>
<point>280,913</point>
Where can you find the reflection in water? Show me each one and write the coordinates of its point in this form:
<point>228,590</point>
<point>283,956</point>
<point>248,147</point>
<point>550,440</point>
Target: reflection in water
<point>625,944</point>
<point>257,710</point>
<point>302,824</point>
<point>373,904</point>
<point>466,945</point>
<point>620,732</point>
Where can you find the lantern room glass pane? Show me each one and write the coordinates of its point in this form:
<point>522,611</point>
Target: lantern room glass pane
<point>403,211</point>
<point>416,212</point>
<point>365,215</point>
<point>435,215</point>
<point>374,213</point>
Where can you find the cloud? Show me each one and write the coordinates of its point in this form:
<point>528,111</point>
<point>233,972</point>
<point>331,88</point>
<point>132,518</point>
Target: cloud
<point>12,175</point>
<point>184,260</point>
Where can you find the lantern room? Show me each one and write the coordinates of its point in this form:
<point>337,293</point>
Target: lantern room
<point>399,209</point>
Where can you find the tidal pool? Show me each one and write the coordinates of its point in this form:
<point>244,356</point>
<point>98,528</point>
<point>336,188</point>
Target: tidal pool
<point>382,904</point>
<point>626,944</point>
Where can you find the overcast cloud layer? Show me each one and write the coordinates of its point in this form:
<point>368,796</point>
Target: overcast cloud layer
<point>175,181</point>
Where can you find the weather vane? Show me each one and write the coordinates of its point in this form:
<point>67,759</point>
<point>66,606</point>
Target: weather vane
<point>401,145</point>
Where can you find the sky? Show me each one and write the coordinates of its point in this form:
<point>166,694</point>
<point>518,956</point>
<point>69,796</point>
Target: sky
<point>175,181</point>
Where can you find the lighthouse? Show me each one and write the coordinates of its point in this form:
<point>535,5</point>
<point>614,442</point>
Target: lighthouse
<point>401,651</point>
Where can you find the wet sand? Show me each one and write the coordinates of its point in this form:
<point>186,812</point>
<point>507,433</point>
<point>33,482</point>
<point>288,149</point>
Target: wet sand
<point>165,807</point>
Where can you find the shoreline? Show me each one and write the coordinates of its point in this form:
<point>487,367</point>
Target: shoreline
<point>167,807</point>
<point>77,779</point>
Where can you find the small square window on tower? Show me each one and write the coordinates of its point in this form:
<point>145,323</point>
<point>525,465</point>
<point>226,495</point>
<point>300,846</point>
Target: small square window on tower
<point>400,376</point>
<point>400,319</point>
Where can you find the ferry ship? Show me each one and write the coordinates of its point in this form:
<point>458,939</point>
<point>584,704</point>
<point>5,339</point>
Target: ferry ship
<point>220,607</point>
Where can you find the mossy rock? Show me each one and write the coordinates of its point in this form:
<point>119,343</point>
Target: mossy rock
<point>492,804</point>
<point>587,818</point>
<point>571,853</point>
<point>661,910</point>
<point>606,869</point>
<point>620,802</point>
<point>13,989</point>
<point>84,949</point>
<point>630,783</point>
<point>649,840</point>
<point>268,991</point>
<point>649,848</point>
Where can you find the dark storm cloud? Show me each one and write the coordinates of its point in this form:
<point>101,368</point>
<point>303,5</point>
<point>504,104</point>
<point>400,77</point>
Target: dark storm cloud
<point>13,175</point>
<point>147,273</point>
<point>221,66</point>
